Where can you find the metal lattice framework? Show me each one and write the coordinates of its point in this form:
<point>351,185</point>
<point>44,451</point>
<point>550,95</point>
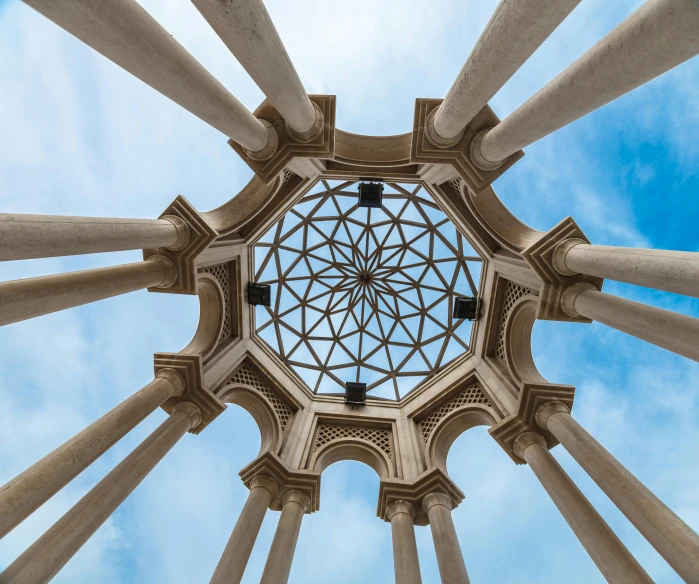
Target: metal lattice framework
<point>365,294</point>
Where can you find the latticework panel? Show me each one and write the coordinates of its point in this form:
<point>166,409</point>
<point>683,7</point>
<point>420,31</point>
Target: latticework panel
<point>287,175</point>
<point>473,394</point>
<point>329,433</point>
<point>222,273</point>
<point>456,184</point>
<point>246,376</point>
<point>513,292</point>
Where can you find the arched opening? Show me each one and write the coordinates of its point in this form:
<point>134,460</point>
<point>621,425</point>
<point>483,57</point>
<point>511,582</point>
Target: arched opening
<point>353,449</point>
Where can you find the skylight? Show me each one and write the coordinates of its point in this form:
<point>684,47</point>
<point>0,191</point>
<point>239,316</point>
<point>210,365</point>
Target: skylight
<point>365,294</point>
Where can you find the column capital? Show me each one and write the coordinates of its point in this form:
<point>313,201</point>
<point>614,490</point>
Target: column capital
<point>436,499</point>
<point>182,232</point>
<point>174,378</point>
<point>526,439</point>
<point>313,132</point>
<point>434,138</point>
<point>570,294</point>
<point>185,407</point>
<point>265,482</point>
<point>296,496</point>
<point>546,410</point>
<point>558,259</point>
<point>400,506</point>
<point>169,269</point>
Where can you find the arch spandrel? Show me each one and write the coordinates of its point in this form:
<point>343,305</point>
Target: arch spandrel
<point>212,307</point>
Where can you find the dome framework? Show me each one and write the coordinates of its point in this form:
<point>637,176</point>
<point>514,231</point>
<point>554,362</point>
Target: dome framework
<point>456,149</point>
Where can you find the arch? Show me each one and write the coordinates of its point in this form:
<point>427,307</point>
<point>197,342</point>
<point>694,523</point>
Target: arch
<point>518,345</point>
<point>211,313</point>
<point>261,411</point>
<point>451,427</point>
<point>352,449</point>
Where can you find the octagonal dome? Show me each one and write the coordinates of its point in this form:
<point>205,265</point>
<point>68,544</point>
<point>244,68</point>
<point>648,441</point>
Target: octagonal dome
<point>362,294</point>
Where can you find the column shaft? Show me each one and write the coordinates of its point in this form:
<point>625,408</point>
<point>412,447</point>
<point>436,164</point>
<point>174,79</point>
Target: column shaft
<point>28,491</point>
<point>43,236</point>
<point>126,34</point>
<point>667,533</point>
<point>513,33</point>
<point>675,332</point>
<point>43,560</point>
<point>235,557</point>
<point>660,35</point>
<point>281,554</point>
<point>672,271</point>
<point>614,561</point>
<point>406,564</point>
<point>247,30</point>
<point>32,297</point>
<point>452,569</point>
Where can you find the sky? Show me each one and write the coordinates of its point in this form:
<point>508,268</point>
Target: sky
<point>80,136</point>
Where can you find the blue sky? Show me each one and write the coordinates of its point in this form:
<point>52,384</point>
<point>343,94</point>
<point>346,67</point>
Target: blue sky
<point>80,136</point>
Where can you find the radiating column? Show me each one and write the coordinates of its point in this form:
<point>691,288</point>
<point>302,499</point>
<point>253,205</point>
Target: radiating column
<point>281,555</point>
<point>32,297</point>
<point>126,34</point>
<point>45,236</point>
<point>672,271</point>
<point>675,332</point>
<point>452,569</point>
<point>235,557</point>
<point>660,35</point>
<point>405,560</point>
<point>28,491</point>
<point>43,560</point>
<point>667,533</point>
<point>247,30</point>
<point>513,33</point>
<point>612,558</point>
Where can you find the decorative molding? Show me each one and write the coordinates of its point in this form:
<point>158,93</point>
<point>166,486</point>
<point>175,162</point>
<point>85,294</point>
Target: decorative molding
<point>458,155</point>
<point>201,235</point>
<point>222,273</point>
<point>513,292</point>
<point>190,368</point>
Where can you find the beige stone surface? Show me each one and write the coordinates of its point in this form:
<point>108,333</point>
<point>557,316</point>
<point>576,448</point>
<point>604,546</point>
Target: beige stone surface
<point>452,569</point>
<point>406,564</point>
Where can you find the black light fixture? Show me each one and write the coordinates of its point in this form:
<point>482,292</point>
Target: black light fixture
<point>259,294</point>
<point>370,194</point>
<point>467,307</point>
<point>355,393</point>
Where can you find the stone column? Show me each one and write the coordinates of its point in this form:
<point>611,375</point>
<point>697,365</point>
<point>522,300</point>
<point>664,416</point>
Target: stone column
<point>235,557</point>
<point>405,560</point>
<point>43,560</point>
<point>32,297</point>
<point>514,32</point>
<point>667,533</point>
<point>660,35</point>
<point>452,569</point>
<point>672,271</point>
<point>281,555</point>
<point>126,34</point>
<point>247,30</point>
<point>45,236</point>
<point>606,550</point>
<point>28,491</point>
<point>675,332</point>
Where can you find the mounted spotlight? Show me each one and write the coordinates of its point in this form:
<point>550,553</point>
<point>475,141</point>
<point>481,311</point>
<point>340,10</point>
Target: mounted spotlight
<point>467,307</point>
<point>259,294</point>
<point>355,393</point>
<point>370,194</point>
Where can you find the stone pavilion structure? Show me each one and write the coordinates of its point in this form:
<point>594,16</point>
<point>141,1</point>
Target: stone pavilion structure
<point>361,294</point>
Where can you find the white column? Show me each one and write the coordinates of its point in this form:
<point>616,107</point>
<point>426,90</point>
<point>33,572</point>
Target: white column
<point>660,35</point>
<point>614,561</point>
<point>672,271</point>
<point>44,559</point>
<point>405,559</point>
<point>235,557</point>
<point>513,33</point>
<point>667,533</point>
<point>126,34</point>
<point>44,236</point>
<point>32,297</point>
<point>452,569</point>
<point>281,555</point>
<point>675,332</point>
<point>28,491</point>
<point>247,30</point>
